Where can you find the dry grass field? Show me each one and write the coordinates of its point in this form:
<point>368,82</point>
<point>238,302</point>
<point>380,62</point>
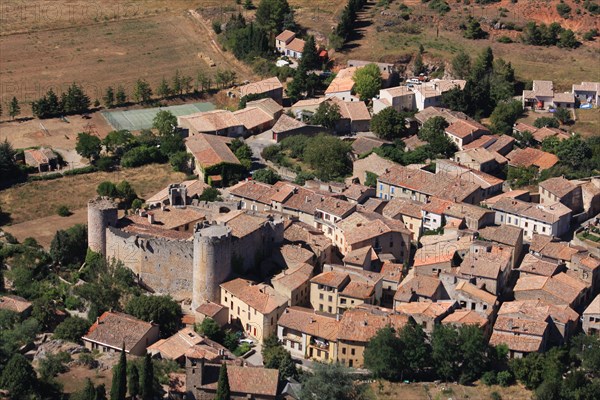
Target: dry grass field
<point>34,200</point>
<point>102,44</point>
<point>418,391</point>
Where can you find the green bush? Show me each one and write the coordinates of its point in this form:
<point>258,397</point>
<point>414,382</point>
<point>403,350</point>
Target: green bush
<point>142,155</point>
<point>81,171</point>
<point>73,303</point>
<point>105,164</point>
<point>495,396</point>
<point>489,378</point>
<point>242,349</point>
<point>63,211</point>
<point>505,39</point>
<point>505,378</point>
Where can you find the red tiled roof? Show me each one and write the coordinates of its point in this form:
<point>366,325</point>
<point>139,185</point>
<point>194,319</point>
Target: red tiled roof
<point>209,150</point>
<point>117,329</point>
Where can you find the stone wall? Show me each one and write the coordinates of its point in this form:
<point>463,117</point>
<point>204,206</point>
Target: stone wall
<point>165,266</point>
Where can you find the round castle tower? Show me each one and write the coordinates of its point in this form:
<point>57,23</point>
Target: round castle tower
<point>102,213</point>
<point>212,262</point>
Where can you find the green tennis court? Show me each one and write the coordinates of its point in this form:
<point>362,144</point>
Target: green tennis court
<point>134,120</point>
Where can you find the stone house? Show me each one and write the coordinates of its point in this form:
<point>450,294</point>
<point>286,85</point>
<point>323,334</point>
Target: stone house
<point>561,190</point>
<point>16,304</point>
<point>289,45</point>
<point>522,336</point>
<point>215,311</point>
<point>408,211</point>
<point>420,288</point>
<point>270,87</point>
<point>427,314</point>
<point>587,92</point>
<point>591,318</point>
<point>294,284</point>
<point>256,307</point>
<point>114,331</point>
<point>557,289</point>
<point>43,159</point>
<point>463,132</point>
<point>213,160</point>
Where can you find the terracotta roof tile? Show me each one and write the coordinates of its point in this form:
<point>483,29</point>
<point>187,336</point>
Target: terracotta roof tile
<point>425,286</point>
<point>264,86</point>
<point>558,186</point>
<point>401,206</point>
<point>310,322</point>
<point>285,36</point>
<point>331,278</point>
<point>561,286</point>
<point>516,343</point>
<point>474,291</point>
<point>533,265</point>
<point>175,346</point>
<point>116,330</point>
<point>14,303</point>
<point>362,323</point>
<point>343,81</point>
<point>209,309</point>
<point>363,144</point>
<point>252,117</point>
<point>426,308</point>
<point>294,277</point>
<point>392,272</point>
<point>463,128</point>
<point>261,297</point>
<point>532,157</point>
<point>363,225</point>
<point>209,150</point>
<point>466,317</point>
<point>253,190</point>
<point>548,213</point>
<point>538,310</point>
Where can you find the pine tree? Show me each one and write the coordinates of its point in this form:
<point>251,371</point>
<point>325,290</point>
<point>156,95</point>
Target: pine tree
<point>223,390</point>
<point>118,389</point>
<point>163,89</point>
<point>121,97</point>
<point>310,58</point>
<point>142,91</point>
<point>177,84</point>
<point>147,379</point>
<point>109,97</point>
<point>14,109</point>
<point>133,381</point>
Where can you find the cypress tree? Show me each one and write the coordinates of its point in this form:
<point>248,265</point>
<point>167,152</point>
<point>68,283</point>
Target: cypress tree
<point>118,389</point>
<point>223,391</point>
<point>133,381</point>
<point>147,379</point>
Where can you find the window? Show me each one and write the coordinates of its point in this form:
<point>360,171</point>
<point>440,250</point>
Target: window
<point>320,307</point>
<point>392,190</point>
<point>330,309</point>
<point>342,301</point>
<point>352,351</point>
<point>380,186</point>
<point>526,224</point>
<point>343,350</point>
<point>300,346</point>
<point>330,298</point>
<point>320,296</point>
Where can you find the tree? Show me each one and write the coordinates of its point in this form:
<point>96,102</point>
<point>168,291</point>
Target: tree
<point>418,66</point>
<point>8,165</point>
<point>177,83</point>
<point>327,115</point>
<point>573,151</point>
<point>310,58</point>
<point>121,96</point>
<point>432,127</point>
<point>133,381</point>
<point>209,328</point>
<point>126,193</point>
<point>473,30</point>
<point>72,329</point>
<point>74,101</point>
<point>163,89</point>
<point>389,124</point>
<point>367,81</point>
<point>163,310</point>
<point>165,122</point>
<point>473,352</point>
<point>210,194</point>
<point>223,390</point>
<point>88,146</point>
<point>505,115</point>
<point>18,377</point>
<point>14,108</point>
<point>563,115</point>
<point>142,93</point>
<point>109,97</point>
<point>107,189</point>
<point>266,175</point>
<point>549,122</point>
<point>118,389</point>
<point>461,65</point>
<point>147,379</point>
<point>331,382</point>
<point>69,247</point>
<point>445,351</point>
<point>563,10</point>
<point>328,156</point>
<point>87,393</point>
<point>383,354</point>
<point>416,350</point>
<point>271,14</point>
<point>117,142</point>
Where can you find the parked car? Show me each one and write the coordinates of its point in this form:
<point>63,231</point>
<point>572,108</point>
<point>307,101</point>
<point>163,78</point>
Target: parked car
<point>247,341</point>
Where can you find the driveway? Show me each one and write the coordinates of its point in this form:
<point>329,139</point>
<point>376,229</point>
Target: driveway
<point>258,142</point>
<point>256,358</point>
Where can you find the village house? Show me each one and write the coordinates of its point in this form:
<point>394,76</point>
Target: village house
<point>294,284</point>
<point>364,228</point>
<point>587,92</point>
<point>522,336</point>
<point>508,236</point>
<point>408,211</point>
<point>342,85</point>
<point>563,320</point>
<point>487,266</point>
<point>519,194</point>
<point>429,94</point>
<point>480,159</point>
<point>256,306</point>
<point>531,157</point>
<point>365,144</point>
<point>287,126</point>
<point>338,289</point>
<point>44,159</point>
<point>426,313</point>
<point>545,132</point>
<point>471,297</point>
<point>400,98</point>
<point>557,289</point>
<point>177,194</point>
<point>462,317</point>
<point>532,265</point>
<point>252,195</point>
<point>503,145</point>
<point>213,160</point>
<point>307,334</point>
<point>420,288</point>
<point>465,131</point>
<point>387,70</point>
<point>114,331</point>
<point>543,97</point>
<point>368,169</point>
<point>355,116</point>
<point>363,258</point>
<point>175,346</point>
<point>585,267</point>
<point>255,120</point>
<point>545,219</point>
<point>356,193</point>
<point>216,122</point>
<point>16,304</point>
<point>551,249</point>
<point>420,185</point>
<point>270,87</point>
<point>358,326</point>
<point>591,317</point>
<point>464,215</point>
<point>489,184</point>
<point>561,190</point>
<point>289,45</point>
<point>299,233</point>
<point>392,276</point>
<point>245,382</point>
<point>214,311</point>
<point>430,112</point>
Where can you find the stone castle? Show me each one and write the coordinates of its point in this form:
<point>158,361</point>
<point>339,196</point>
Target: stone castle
<point>184,251</point>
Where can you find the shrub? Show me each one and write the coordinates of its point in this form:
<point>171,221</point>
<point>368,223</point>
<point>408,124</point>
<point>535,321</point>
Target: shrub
<point>489,378</point>
<point>505,39</point>
<point>563,10</point>
<point>216,25</point>
<point>105,164</point>
<point>142,155</point>
<point>81,171</point>
<point>242,349</point>
<point>495,396</point>
<point>72,329</point>
<point>73,303</point>
<point>88,360</point>
<point>63,211</point>
<point>505,378</point>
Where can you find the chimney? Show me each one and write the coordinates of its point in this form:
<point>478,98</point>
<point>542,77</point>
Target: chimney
<point>150,218</point>
<point>162,206</point>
